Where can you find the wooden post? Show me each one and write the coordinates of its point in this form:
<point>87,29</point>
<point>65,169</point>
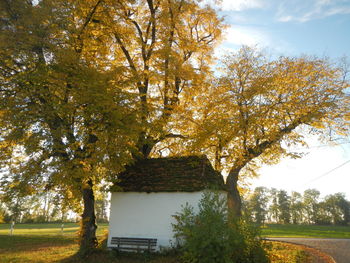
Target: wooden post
<point>12,227</point>
<point>62,226</point>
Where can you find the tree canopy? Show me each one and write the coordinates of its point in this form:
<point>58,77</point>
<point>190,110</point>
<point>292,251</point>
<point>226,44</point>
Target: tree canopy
<point>167,49</point>
<point>66,122</point>
<point>88,86</point>
<point>257,108</point>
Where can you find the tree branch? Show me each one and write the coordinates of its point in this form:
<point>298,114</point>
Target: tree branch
<point>86,23</point>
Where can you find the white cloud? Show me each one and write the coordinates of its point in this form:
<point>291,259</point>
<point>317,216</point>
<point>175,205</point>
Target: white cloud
<point>338,10</point>
<point>243,35</point>
<point>239,5</point>
<point>236,36</point>
<point>285,18</point>
<point>296,10</point>
<point>303,11</point>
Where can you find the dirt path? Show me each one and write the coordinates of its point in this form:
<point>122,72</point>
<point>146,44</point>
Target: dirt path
<point>339,249</point>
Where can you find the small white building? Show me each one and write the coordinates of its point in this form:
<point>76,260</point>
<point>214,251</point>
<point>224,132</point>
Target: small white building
<point>152,191</point>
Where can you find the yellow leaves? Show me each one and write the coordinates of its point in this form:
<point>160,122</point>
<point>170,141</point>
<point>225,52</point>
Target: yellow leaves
<point>86,166</point>
<point>13,184</point>
<point>257,104</point>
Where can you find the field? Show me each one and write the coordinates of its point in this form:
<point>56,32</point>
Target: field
<point>45,243</point>
<point>275,230</point>
<point>49,229</point>
<point>40,242</point>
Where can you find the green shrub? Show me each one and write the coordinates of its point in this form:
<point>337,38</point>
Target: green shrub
<point>210,237</point>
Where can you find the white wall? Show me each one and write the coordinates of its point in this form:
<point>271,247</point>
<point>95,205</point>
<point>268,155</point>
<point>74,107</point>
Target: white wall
<point>147,215</point>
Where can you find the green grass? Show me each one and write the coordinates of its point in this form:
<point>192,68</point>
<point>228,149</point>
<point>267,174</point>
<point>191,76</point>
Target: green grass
<point>44,243</point>
<point>40,242</point>
<point>49,229</point>
<point>310,231</point>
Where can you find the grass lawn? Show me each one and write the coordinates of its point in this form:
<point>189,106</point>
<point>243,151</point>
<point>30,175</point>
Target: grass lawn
<point>49,229</point>
<point>44,243</point>
<point>40,242</point>
<point>276,230</point>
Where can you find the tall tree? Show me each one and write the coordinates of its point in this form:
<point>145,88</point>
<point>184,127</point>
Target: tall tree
<point>166,47</point>
<point>311,205</point>
<point>296,208</point>
<point>283,206</point>
<point>65,122</point>
<point>101,207</point>
<point>257,204</point>
<point>337,208</point>
<point>273,208</point>
<point>258,107</point>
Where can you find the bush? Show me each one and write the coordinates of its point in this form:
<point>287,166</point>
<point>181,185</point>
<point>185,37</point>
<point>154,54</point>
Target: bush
<point>210,237</point>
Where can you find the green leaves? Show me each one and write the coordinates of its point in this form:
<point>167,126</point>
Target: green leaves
<point>208,235</point>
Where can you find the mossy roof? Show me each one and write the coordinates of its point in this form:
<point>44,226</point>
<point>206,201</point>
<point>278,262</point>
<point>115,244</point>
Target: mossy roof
<point>175,174</point>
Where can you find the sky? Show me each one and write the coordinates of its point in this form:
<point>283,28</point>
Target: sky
<point>294,28</point>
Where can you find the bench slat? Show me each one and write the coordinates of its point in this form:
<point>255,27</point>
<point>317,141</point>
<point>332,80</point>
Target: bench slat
<point>130,238</point>
<point>138,241</point>
<point>133,242</point>
<point>130,243</point>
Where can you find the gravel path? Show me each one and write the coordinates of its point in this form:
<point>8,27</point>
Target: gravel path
<point>339,249</point>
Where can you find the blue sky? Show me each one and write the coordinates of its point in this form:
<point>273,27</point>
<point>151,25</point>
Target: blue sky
<point>314,27</point>
<point>293,28</point>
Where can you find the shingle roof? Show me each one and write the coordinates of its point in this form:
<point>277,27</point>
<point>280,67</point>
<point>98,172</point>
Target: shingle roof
<point>175,174</point>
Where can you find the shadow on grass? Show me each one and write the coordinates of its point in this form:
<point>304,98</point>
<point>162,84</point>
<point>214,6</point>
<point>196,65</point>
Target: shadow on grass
<point>110,256</point>
<point>105,255</point>
<point>64,249</point>
<point>29,243</point>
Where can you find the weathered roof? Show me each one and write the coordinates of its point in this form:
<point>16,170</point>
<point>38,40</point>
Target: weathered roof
<point>175,174</point>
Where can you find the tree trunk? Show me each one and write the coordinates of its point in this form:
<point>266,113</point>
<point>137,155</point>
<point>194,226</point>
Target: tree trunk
<point>144,146</point>
<point>88,240</point>
<point>233,198</point>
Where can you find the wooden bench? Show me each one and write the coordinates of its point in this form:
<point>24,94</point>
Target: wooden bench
<point>134,244</point>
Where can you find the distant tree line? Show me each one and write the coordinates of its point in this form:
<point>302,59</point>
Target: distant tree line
<point>45,207</point>
<point>270,205</point>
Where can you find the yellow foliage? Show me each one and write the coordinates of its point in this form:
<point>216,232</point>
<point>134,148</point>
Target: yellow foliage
<point>89,85</point>
<point>257,109</point>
